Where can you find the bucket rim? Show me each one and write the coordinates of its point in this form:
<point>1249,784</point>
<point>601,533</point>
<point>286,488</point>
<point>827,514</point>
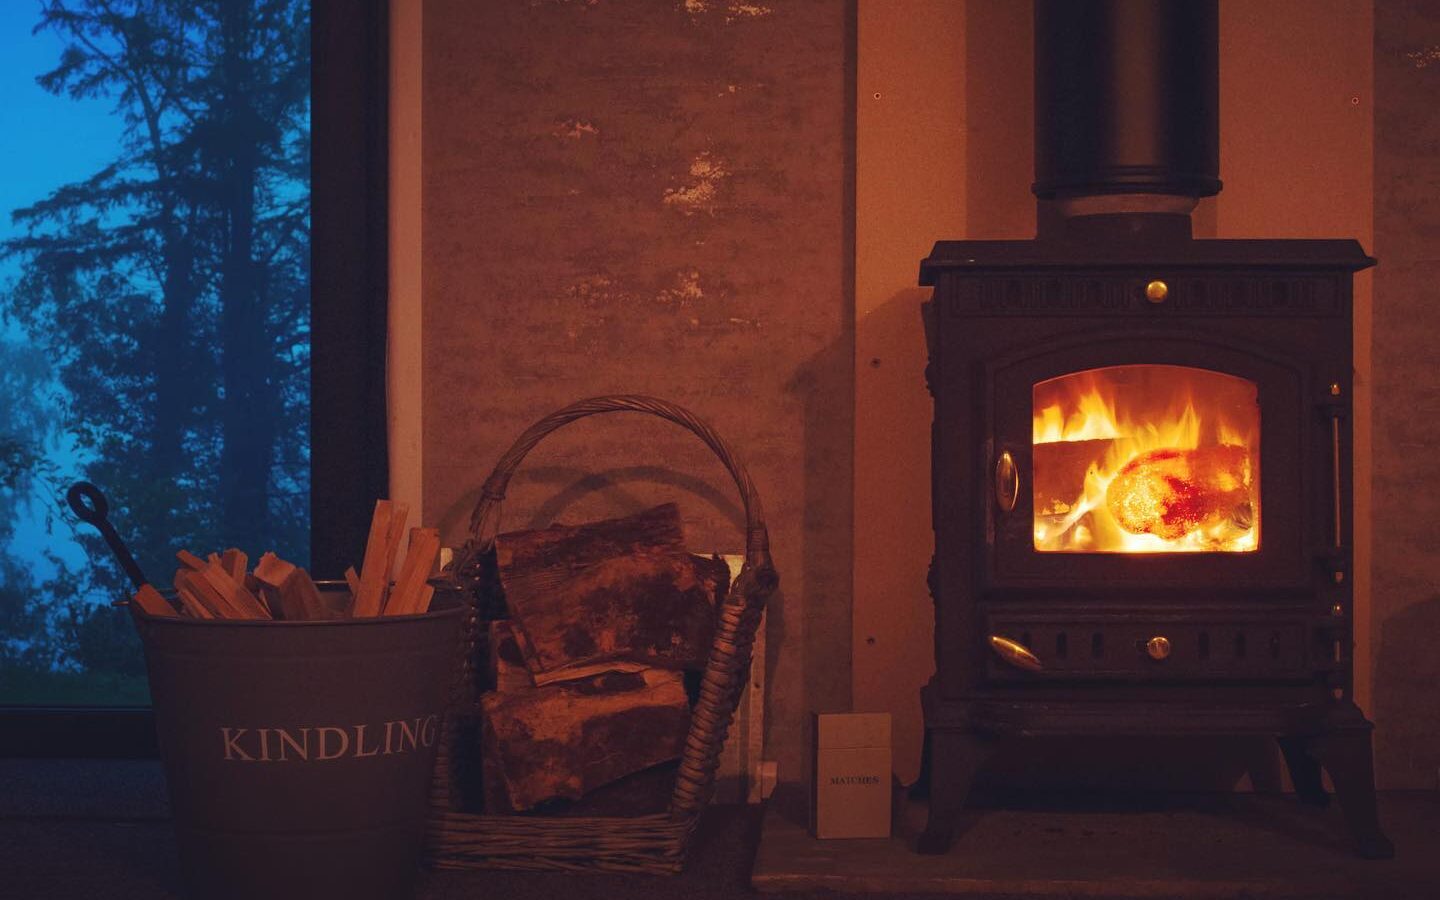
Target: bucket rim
<point>187,622</point>
<point>455,610</point>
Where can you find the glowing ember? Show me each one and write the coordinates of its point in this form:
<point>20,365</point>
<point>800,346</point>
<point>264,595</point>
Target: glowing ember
<point>1170,493</point>
<point>1146,459</point>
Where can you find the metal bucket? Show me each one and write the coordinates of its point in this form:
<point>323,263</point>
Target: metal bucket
<point>299,754</point>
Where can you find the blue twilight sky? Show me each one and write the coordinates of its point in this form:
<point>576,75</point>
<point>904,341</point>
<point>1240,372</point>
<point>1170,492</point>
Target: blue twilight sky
<point>45,141</point>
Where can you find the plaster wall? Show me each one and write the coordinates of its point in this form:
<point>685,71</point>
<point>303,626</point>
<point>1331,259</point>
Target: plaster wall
<point>650,198</point>
<point>910,188</point>
<point>1406,388</point>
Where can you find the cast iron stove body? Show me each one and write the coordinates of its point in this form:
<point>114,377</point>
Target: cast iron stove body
<point>1142,478</point>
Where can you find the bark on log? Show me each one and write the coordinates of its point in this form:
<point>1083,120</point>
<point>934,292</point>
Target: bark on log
<point>507,663</point>
<point>565,740</point>
<point>622,589</point>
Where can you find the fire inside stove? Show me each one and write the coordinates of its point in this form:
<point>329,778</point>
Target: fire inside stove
<point>1146,459</point>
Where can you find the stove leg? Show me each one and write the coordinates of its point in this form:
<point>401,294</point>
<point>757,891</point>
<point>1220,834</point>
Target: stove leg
<point>1304,772</point>
<point>1346,755</point>
<point>920,789</point>
<point>955,759</point>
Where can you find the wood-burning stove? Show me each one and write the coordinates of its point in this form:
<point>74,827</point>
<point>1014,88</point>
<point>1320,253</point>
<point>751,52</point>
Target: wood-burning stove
<point>1142,444</point>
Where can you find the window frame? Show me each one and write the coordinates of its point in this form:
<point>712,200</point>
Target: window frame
<point>349,460</point>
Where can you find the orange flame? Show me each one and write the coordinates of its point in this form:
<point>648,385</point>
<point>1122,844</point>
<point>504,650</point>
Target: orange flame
<point>1146,459</point>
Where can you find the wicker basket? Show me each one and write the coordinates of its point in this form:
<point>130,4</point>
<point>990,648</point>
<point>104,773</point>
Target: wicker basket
<point>652,843</point>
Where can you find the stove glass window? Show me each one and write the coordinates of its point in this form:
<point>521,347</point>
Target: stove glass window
<point>1146,459</point>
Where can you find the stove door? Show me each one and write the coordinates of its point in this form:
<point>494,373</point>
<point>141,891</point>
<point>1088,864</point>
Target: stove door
<point>1149,461</point>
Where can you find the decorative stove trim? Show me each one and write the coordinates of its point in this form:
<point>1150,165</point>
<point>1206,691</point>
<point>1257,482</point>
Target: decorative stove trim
<point>1086,294</point>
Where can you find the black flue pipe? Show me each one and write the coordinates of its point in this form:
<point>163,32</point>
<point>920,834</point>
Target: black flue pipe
<point>1127,98</point>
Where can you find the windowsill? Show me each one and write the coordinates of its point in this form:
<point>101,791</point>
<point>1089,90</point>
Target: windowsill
<point>120,789</point>
<point>83,828</point>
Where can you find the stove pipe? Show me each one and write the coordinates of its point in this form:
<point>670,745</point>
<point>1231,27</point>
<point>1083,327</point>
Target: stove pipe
<point>1127,105</point>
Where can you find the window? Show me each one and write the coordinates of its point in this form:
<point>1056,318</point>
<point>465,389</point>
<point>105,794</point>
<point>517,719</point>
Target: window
<point>157,326</point>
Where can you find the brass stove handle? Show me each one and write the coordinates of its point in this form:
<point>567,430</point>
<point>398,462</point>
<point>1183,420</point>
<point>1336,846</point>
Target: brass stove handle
<point>1337,495</point>
<point>1007,481</point>
<point>1015,653</point>
<point>1337,485</point>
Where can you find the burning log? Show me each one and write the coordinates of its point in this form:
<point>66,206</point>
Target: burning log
<point>1059,472</point>
<point>564,740</point>
<point>1170,493</point>
<point>583,597</point>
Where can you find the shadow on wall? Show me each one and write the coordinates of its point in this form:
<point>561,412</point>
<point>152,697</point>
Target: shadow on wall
<point>1407,698</point>
<point>894,616</point>
<point>824,386</point>
<point>571,487</point>
<point>575,485</point>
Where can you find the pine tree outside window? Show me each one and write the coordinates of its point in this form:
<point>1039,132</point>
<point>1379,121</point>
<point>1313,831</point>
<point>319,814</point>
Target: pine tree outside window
<point>155,311</point>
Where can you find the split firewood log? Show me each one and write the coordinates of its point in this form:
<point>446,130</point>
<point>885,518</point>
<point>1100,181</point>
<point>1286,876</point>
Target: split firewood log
<point>289,591</point>
<point>149,599</point>
<point>387,527</point>
<point>236,564</point>
<point>213,590</point>
<point>566,739</point>
<point>507,663</point>
<point>618,590</point>
<point>411,594</point>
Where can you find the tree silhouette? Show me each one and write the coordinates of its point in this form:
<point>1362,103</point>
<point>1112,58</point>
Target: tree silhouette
<point>29,430</point>
<point>172,286</point>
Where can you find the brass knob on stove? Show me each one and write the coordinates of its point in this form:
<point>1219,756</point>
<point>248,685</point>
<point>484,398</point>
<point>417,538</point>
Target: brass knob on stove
<point>1158,647</point>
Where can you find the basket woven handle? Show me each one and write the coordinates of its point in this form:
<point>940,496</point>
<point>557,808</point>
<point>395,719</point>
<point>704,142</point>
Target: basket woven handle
<point>485,519</point>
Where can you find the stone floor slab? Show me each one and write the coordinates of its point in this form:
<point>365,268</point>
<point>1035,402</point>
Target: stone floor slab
<point>1212,846</point>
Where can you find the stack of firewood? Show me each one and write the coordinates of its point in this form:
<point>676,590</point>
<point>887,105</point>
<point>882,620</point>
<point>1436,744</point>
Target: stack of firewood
<point>222,586</point>
<point>588,671</point>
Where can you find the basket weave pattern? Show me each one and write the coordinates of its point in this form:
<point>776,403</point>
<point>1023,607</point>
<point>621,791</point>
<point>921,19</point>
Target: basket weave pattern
<point>653,843</point>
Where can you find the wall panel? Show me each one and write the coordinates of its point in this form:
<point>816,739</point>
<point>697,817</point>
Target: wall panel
<point>1406,390</point>
<point>647,197</point>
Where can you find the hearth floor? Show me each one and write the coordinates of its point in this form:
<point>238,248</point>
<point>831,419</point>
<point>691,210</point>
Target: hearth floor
<point>1210,846</point>
<point>86,829</point>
